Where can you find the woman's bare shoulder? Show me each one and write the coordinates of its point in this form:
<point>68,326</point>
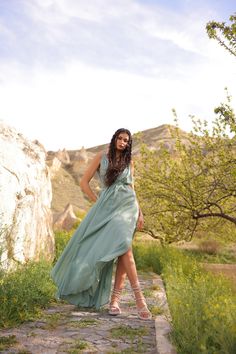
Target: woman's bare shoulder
<point>99,155</point>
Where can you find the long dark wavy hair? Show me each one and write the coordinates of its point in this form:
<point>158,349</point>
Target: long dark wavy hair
<point>115,168</point>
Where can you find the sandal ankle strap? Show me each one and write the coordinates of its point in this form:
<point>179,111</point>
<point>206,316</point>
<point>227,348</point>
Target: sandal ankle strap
<point>136,287</point>
<point>116,293</point>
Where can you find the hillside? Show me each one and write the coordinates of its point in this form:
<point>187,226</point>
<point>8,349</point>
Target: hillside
<point>68,166</point>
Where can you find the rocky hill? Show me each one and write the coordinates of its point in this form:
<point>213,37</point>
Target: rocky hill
<point>67,167</point>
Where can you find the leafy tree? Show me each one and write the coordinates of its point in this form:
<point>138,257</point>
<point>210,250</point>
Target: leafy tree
<point>226,114</point>
<point>224,34</point>
<point>179,189</point>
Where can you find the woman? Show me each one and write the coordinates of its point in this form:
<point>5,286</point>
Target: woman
<point>83,272</point>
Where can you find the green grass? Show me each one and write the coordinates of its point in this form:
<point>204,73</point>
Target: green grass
<point>128,332</point>
<point>61,240</point>
<point>203,306</point>
<point>78,347</point>
<point>62,237</point>
<point>148,293</point>
<point>53,320</point>
<point>134,335</point>
<point>7,342</point>
<point>86,322</point>
<point>224,257</point>
<point>24,292</point>
<point>156,310</point>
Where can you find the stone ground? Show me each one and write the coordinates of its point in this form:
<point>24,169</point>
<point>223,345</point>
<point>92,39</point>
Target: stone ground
<point>68,329</point>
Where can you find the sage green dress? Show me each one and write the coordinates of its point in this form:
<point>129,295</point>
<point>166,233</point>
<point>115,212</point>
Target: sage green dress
<point>83,273</point>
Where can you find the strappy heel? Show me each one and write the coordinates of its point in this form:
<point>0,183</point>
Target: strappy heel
<point>114,310</point>
<point>143,312</point>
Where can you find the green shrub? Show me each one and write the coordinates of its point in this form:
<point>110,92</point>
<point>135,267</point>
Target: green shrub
<point>203,306</point>
<point>61,240</point>
<point>62,237</point>
<point>147,256</point>
<point>24,292</point>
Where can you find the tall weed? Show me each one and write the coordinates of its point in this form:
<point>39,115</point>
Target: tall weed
<point>203,306</point>
<point>61,239</point>
<point>24,292</point>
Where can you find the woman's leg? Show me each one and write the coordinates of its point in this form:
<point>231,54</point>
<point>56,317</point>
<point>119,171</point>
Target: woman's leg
<point>129,267</point>
<point>118,286</point>
<point>120,275</point>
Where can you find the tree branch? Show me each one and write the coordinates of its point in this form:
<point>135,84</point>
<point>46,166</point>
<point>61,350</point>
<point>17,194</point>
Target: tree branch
<point>218,215</point>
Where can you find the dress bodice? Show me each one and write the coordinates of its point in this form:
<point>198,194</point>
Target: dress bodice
<point>124,178</point>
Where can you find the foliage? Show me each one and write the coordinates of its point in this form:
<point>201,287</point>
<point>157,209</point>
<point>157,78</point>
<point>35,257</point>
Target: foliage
<point>179,189</point>
<point>206,306</point>
<point>177,193</point>
<point>224,34</point>
<point>223,257</point>
<point>62,237</point>
<point>24,292</point>
<point>128,332</point>
<point>203,306</point>
<point>226,114</point>
<point>7,341</point>
<point>61,240</point>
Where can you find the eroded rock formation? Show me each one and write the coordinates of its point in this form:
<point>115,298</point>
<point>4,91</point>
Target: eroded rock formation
<point>25,200</point>
<point>65,220</point>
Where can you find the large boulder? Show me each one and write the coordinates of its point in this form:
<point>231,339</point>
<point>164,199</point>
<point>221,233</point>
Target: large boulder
<point>25,195</point>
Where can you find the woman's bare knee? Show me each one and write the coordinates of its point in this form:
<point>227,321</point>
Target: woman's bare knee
<point>128,257</point>
<point>128,253</point>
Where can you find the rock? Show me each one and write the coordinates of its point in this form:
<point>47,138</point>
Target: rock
<point>81,155</point>
<point>78,169</point>
<point>25,194</point>
<point>54,166</point>
<point>63,156</point>
<point>65,220</point>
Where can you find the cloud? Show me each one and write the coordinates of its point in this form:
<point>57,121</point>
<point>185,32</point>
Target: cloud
<point>120,35</point>
<point>72,72</point>
<point>84,106</point>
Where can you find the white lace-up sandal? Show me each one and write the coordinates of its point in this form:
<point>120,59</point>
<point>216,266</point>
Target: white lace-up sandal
<point>143,312</point>
<point>114,310</point>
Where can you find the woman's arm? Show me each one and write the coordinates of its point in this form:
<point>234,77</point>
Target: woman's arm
<point>88,175</point>
<point>140,222</point>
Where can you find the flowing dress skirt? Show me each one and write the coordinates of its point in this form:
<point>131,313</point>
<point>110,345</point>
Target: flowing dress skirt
<point>83,273</point>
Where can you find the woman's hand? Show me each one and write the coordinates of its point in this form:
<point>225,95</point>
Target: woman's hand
<point>140,222</point>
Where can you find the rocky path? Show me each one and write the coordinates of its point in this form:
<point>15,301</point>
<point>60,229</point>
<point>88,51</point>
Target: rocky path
<point>67,329</point>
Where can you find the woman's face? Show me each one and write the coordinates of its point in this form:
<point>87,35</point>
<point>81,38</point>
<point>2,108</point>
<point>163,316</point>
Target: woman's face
<point>122,141</point>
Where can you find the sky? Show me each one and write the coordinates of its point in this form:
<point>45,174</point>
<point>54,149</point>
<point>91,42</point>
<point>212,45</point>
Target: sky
<point>72,72</point>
